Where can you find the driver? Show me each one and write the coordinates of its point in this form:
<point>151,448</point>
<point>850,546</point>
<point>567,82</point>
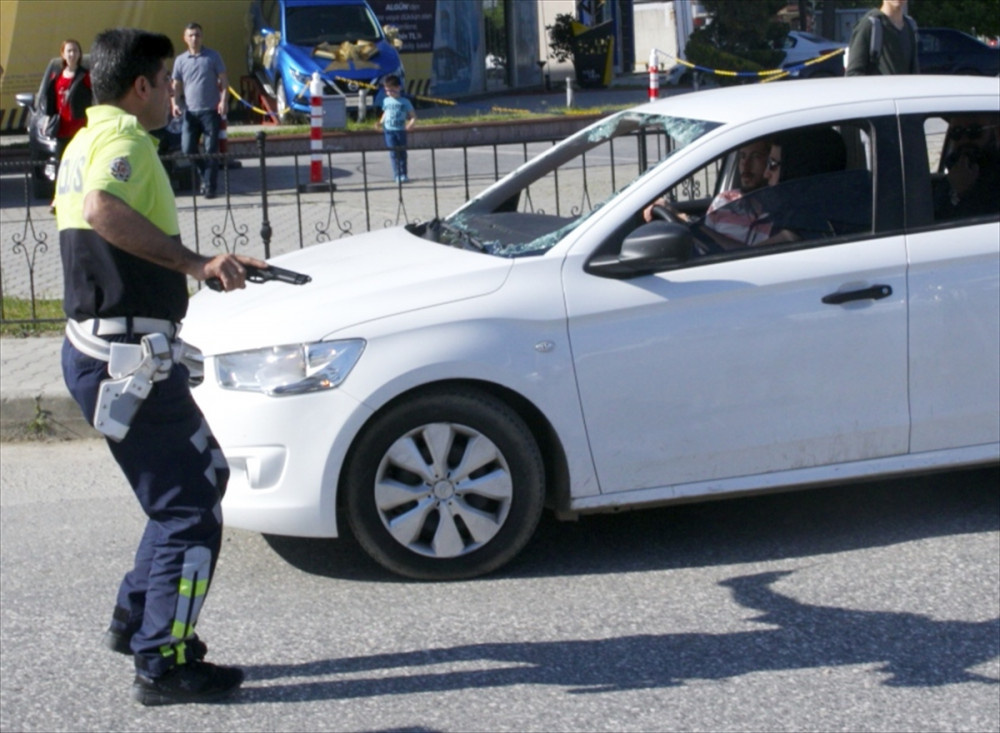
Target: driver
<point>793,155</point>
<point>738,222</point>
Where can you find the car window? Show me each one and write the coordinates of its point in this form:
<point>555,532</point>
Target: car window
<point>929,43</point>
<point>311,25</point>
<point>537,205</point>
<point>963,163</point>
<point>827,193</point>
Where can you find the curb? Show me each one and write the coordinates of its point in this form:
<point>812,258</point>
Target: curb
<point>34,402</point>
<point>43,417</point>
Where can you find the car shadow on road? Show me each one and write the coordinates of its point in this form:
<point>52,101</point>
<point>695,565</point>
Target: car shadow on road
<point>753,529</point>
<point>910,650</point>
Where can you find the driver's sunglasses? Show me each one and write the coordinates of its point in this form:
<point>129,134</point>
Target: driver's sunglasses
<point>773,164</point>
<point>969,132</point>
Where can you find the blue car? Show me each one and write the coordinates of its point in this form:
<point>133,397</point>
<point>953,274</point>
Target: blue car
<point>948,51</point>
<point>341,39</point>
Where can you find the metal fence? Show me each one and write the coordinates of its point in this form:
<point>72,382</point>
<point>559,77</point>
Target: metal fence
<point>267,204</point>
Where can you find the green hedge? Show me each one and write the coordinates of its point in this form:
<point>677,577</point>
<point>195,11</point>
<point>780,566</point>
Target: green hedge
<point>711,57</point>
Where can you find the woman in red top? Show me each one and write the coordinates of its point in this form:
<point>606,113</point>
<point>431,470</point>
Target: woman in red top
<point>67,93</point>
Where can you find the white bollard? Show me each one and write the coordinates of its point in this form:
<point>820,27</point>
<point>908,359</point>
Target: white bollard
<point>654,77</point>
<point>316,129</point>
<point>569,91</point>
<point>316,182</point>
<point>362,104</point>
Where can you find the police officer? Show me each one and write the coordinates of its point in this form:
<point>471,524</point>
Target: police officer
<point>125,271</point>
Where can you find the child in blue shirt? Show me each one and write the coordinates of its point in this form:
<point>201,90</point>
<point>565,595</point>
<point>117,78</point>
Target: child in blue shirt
<point>397,117</point>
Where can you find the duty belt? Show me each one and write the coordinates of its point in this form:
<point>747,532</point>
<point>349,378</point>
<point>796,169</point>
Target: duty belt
<point>133,368</point>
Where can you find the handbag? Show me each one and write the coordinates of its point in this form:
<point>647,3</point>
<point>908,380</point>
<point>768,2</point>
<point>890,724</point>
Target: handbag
<point>45,126</point>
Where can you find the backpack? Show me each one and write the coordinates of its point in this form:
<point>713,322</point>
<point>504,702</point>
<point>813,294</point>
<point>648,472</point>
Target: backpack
<point>875,44</point>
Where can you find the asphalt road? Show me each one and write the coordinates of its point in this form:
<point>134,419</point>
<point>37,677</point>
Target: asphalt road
<point>868,607</point>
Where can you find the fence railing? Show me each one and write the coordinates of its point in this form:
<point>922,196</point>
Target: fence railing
<point>266,205</point>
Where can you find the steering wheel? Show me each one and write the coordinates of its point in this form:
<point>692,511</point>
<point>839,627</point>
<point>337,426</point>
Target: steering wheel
<point>660,211</point>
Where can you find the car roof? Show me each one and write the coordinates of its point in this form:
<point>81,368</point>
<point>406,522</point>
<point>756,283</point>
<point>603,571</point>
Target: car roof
<point>754,101</point>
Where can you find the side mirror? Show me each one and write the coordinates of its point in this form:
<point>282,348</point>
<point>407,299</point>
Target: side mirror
<point>652,247</point>
<point>25,99</point>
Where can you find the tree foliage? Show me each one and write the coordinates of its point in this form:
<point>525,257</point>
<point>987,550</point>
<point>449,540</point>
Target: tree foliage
<point>978,17</point>
<point>743,36</point>
<point>561,37</point>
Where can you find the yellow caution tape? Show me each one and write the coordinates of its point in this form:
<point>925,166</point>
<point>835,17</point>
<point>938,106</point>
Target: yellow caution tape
<point>258,110</point>
<point>770,74</point>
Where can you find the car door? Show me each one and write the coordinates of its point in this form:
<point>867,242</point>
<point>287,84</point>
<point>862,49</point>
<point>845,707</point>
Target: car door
<point>954,281</point>
<point>934,53</point>
<point>791,357</point>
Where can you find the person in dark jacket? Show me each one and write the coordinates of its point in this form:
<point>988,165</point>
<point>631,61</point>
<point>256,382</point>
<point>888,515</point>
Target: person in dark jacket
<point>893,50</point>
<point>67,93</point>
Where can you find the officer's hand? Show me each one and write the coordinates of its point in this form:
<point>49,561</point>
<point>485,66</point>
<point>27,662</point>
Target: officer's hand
<point>228,268</point>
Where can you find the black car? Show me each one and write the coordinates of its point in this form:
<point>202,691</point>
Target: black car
<point>948,51</point>
<point>42,146</point>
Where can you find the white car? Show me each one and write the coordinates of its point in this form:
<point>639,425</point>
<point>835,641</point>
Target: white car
<point>800,47</point>
<point>440,383</point>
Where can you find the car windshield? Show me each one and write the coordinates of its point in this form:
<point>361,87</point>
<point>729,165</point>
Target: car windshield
<point>312,25</point>
<point>532,209</point>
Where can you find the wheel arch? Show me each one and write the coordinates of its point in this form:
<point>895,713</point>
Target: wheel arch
<point>557,491</point>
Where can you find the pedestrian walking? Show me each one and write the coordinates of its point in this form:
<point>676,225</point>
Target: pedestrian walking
<point>201,93</point>
<point>884,41</point>
<point>125,272</point>
<point>398,116</point>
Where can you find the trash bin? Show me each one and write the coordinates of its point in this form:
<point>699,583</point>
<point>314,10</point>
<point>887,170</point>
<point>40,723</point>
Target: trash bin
<point>334,112</point>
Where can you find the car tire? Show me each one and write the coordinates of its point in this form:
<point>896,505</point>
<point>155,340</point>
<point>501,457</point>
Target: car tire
<point>444,485</point>
<point>41,186</point>
<point>286,115</point>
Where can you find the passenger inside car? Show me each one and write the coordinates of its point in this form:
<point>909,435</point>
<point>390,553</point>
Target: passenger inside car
<point>971,167</point>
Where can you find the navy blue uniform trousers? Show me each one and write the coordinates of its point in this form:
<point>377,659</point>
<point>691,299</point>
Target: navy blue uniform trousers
<point>178,474</point>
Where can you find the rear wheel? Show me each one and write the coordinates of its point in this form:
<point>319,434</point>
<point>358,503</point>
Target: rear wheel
<point>444,485</point>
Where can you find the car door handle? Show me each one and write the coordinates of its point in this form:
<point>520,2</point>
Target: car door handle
<point>875,292</point>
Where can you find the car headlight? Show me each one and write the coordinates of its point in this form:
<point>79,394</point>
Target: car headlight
<point>300,76</point>
<point>291,369</point>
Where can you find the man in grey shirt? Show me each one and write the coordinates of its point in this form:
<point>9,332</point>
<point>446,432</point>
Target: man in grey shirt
<point>200,95</point>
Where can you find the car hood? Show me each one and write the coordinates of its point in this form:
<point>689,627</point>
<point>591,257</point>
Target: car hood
<point>354,280</point>
<point>384,61</point>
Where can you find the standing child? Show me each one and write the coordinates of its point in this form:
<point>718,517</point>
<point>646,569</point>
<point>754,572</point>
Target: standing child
<point>397,117</point>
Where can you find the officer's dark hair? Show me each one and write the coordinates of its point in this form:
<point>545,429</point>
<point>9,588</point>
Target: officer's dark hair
<point>120,56</point>
<point>193,26</point>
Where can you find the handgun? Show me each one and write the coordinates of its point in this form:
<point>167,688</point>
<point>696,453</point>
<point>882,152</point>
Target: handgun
<point>263,274</point>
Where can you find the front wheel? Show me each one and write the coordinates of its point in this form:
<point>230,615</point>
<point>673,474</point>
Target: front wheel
<point>445,485</point>
<point>43,187</point>
<point>281,98</point>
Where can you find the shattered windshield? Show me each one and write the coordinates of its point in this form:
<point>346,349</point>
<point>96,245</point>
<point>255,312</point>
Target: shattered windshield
<point>538,204</point>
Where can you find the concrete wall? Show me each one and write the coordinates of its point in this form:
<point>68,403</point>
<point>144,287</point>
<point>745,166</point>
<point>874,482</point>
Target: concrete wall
<point>655,27</point>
